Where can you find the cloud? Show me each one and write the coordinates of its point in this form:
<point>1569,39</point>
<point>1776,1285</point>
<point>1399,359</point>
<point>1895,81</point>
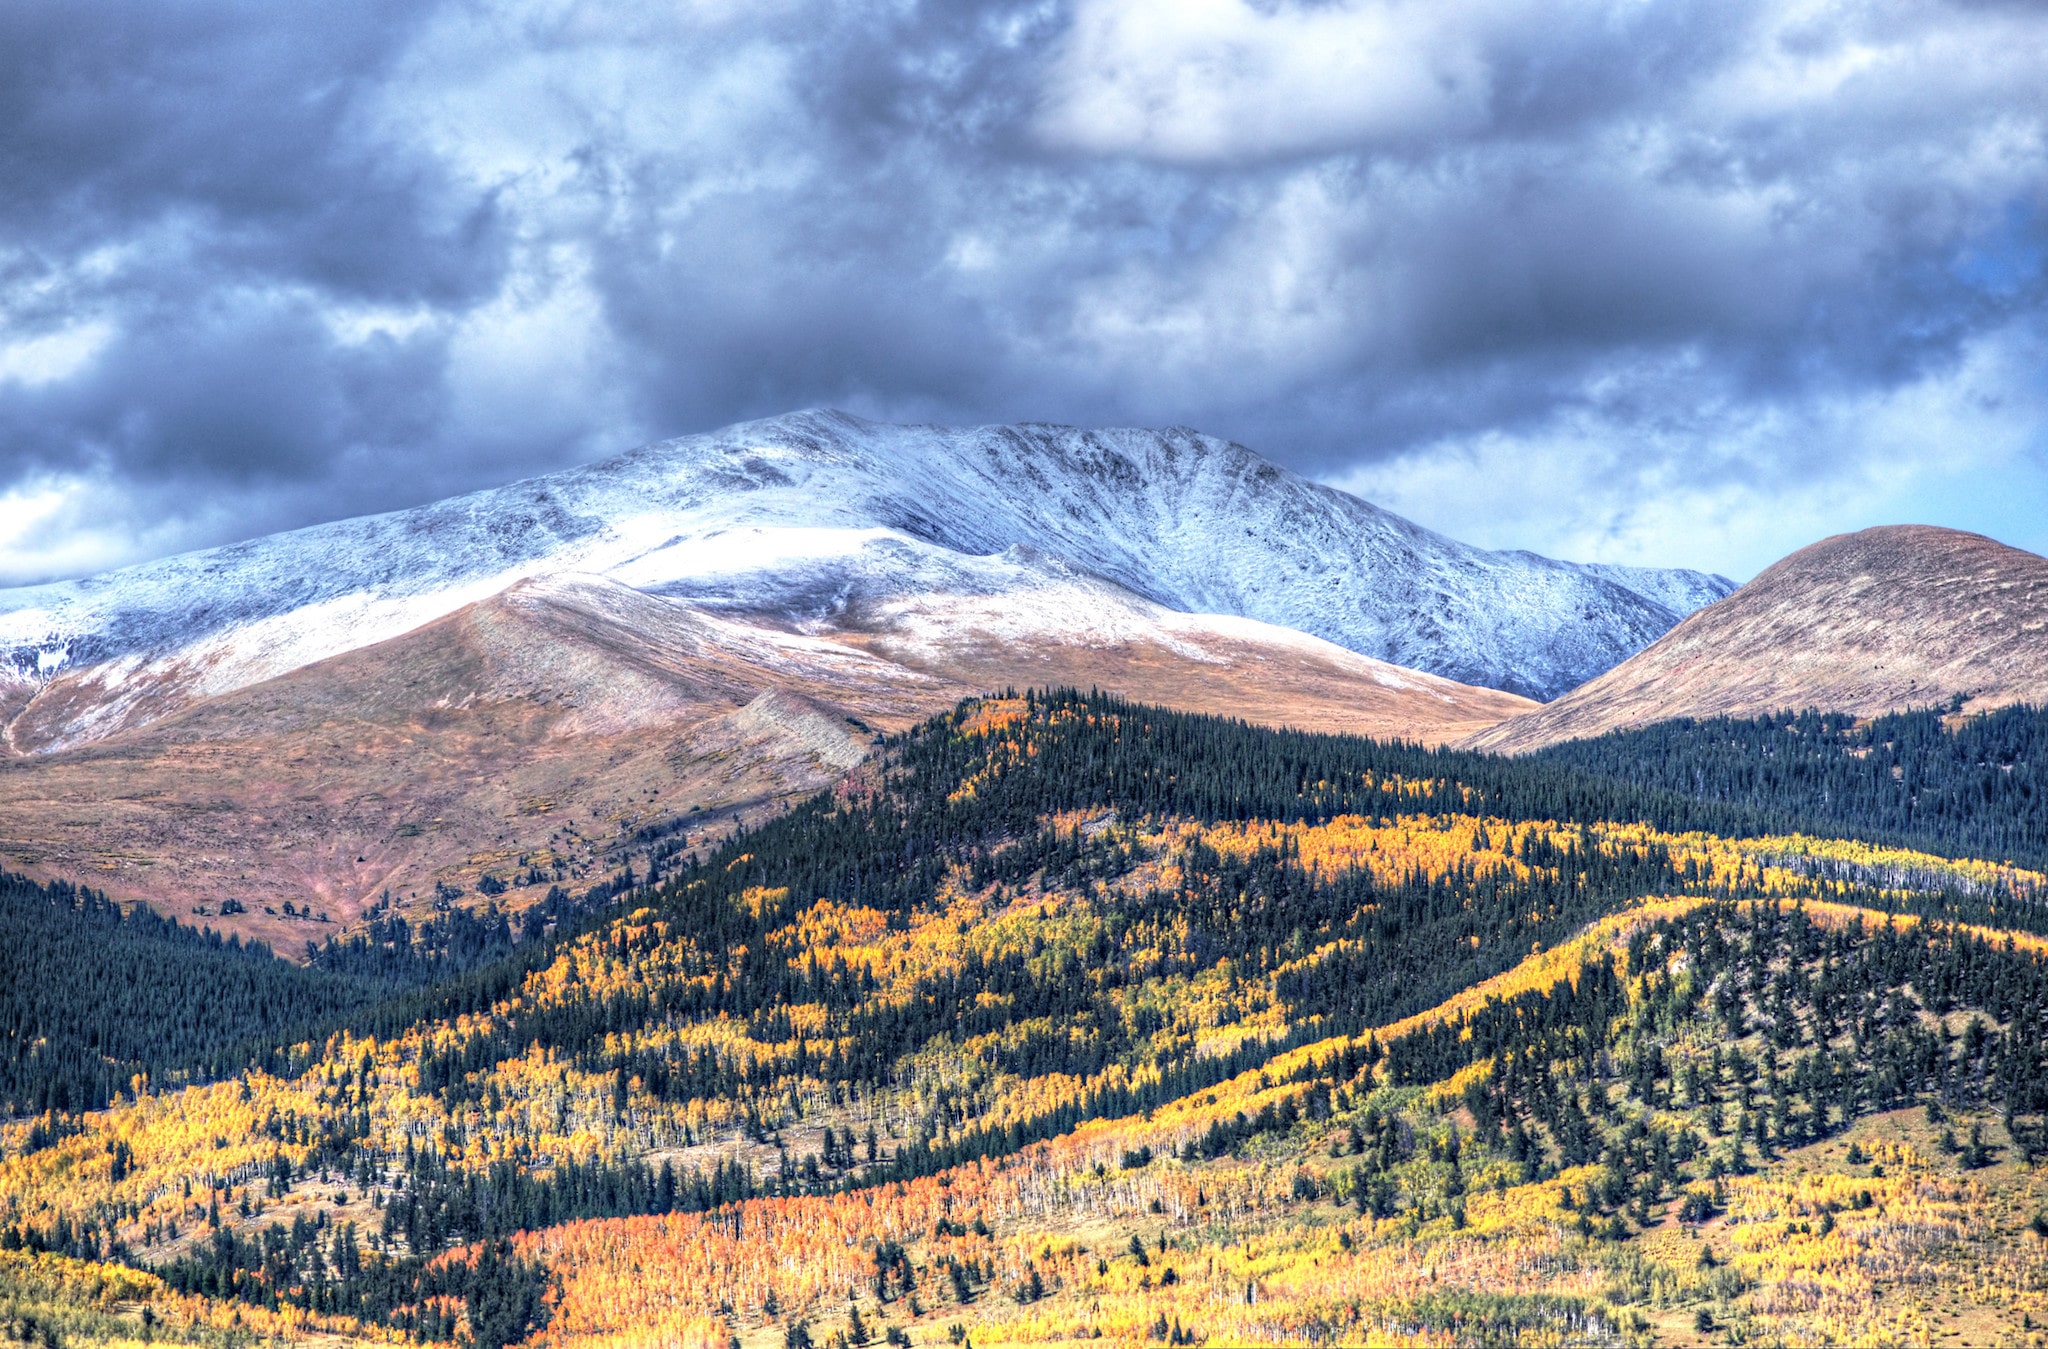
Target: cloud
<point>1600,277</point>
<point>1224,81</point>
<point>1734,483</point>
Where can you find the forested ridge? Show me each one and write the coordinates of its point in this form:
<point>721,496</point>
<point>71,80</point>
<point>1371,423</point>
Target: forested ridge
<point>1972,786</point>
<point>93,994</point>
<point>1021,922</point>
<point>85,1018</point>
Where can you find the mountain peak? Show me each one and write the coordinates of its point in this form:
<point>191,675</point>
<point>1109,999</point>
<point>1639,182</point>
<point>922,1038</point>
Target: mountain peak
<point>1908,552</point>
<point>804,514</point>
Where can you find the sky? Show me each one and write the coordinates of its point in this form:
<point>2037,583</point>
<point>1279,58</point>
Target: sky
<point>1688,282</point>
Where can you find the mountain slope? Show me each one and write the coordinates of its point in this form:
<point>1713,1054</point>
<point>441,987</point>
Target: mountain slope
<point>1888,618</point>
<point>528,737</point>
<point>524,736</point>
<point>802,516</point>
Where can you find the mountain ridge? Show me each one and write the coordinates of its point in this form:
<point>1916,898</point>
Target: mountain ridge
<point>1145,510</point>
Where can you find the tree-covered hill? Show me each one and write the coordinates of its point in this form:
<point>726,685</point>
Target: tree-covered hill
<point>1714,1122</point>
<point>1211,949</point>
<point>96,994</point>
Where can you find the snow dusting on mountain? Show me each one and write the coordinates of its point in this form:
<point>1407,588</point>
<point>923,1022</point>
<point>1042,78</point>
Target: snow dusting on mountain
<point>810,518</point>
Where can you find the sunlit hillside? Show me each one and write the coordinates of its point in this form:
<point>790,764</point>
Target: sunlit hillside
<point>1069,1019</point>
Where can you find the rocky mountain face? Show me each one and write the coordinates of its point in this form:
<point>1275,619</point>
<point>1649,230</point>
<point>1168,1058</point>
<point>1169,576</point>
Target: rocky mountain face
<point>1881,620</point>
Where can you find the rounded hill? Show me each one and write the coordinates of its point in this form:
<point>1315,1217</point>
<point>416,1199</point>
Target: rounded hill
<point>1876,621</point>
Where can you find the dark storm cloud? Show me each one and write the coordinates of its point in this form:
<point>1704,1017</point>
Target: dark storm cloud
<point>241,127</point>
<point>234,388</point>
<point>307,263</point>
<point>203,181</point>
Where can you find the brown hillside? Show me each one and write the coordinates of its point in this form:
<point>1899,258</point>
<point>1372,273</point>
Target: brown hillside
<point>1889,618</point>
<point>550,722</point>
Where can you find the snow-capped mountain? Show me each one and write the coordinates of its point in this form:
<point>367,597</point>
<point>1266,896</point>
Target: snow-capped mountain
<point>816,518</point>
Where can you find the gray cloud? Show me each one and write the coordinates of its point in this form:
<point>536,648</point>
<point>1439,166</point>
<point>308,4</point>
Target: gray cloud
<point>1651,266</point>
<point>240,129</point>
